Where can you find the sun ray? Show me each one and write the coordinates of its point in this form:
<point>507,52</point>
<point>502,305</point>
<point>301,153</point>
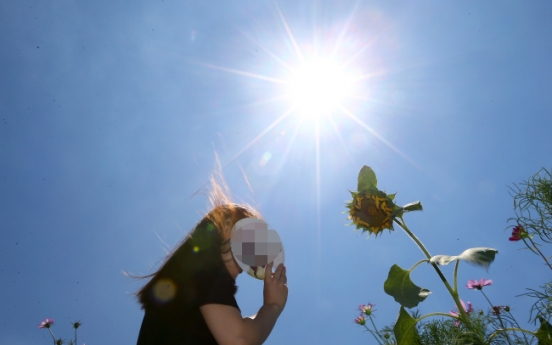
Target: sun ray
<point>253,104</point>
<point>243,73</point>
<point>358,53</point>
<point>314,28</point>
<point>291,141</point>
<point>260,135</point>
<point>290,34</point>
<point>382,139</point>
<point>363,48</point>
<point>318,179</point>
<point>368,76</point>
<point>344,30</point>
<point>266,101</point>
<point>272,55</point>
<point>340,137</point>
<point>318,204</point>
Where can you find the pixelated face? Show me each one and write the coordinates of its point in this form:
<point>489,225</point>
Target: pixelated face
<point>255,245</point>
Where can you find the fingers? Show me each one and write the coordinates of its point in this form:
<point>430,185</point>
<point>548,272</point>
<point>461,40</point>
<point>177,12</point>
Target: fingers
<point>275,286</point>
<point>268,271</point>
<point>278,274</point>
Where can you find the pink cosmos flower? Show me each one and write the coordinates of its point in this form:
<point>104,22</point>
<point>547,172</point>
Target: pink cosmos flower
<point>46,323</point>
<point>366,309</point>
<point>361,320</point>
<point>468,311</point>
<point>478,285</point>
<point>518,233</point>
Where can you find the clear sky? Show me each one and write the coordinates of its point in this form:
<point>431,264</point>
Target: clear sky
<point>111,113</point>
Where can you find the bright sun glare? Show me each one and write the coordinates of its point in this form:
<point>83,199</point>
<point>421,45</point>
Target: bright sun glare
<point>318,87</point>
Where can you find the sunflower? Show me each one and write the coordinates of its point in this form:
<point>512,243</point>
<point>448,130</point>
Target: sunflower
<point>372,210</point>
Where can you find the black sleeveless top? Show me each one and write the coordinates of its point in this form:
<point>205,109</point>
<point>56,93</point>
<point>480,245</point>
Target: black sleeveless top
<point>173,317</point>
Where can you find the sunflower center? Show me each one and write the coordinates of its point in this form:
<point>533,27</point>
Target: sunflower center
<point>372,213</point>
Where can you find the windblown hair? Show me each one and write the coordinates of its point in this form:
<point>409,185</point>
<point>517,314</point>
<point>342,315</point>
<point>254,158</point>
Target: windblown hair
<point>201,250</point>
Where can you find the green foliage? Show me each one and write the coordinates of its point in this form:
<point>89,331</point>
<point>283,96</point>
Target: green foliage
<point>544,333</point>
<point>533,204</point>
<point>445,332</point>
<point>405,329</point>
<point>404,291</point>
<point>366,179</point>
<point>413,206</point>
<point>543,305</point>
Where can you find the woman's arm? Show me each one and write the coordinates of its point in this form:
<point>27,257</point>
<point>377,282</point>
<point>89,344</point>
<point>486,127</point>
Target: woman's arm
<point>229,327</point>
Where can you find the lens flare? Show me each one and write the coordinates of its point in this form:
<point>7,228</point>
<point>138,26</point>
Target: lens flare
<point>164,290</point>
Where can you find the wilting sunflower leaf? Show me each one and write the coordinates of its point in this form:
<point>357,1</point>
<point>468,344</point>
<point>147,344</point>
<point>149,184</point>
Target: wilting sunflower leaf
<point>413,206</point>
<point>544,333</point>
<point>404,291</point>
<point>366,178</point>
<point>405,329</point>
<point>443,259</point>
<point>480,256</point>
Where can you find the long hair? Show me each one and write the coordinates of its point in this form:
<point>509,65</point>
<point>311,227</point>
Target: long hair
<point>200,251</point>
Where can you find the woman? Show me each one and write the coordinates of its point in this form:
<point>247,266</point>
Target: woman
<point>190,299</point>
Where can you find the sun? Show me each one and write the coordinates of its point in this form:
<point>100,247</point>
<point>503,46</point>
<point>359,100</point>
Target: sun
<point>319,86</point>
<point>328,80</point>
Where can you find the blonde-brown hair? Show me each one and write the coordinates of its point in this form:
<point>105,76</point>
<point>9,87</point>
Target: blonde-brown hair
<point>201,250</point>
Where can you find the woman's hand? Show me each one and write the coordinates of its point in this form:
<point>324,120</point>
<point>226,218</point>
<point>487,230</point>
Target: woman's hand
<point>229,327</point>
<point>275,287</point>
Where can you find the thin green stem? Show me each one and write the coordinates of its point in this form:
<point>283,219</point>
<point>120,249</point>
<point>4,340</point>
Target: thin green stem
<point>453,293</point>
<point>436,314</point>
<point>375,328</point>
<point>52,334</point>
<point>372,332</point>
<point>515,329</point>
<point>541,254</point>
<point>417,264</point>
<point>518,326</point>
<point>497,315</point>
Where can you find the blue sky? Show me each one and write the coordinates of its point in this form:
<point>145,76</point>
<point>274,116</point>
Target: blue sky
<point>111,113</point>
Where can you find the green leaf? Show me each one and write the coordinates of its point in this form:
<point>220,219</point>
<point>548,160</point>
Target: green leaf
<point>544,333</point>
<point>413,206</point>
<point>366,178</point>
<point>403,290</point>
<point>480,256</point>
<point>405,329</point>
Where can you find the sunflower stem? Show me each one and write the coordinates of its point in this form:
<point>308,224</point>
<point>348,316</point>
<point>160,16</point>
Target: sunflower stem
<point>456,276</point>
<point>453,293</point>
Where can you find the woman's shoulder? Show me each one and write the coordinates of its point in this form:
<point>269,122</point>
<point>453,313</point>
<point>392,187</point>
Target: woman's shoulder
<point>219,288</point>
